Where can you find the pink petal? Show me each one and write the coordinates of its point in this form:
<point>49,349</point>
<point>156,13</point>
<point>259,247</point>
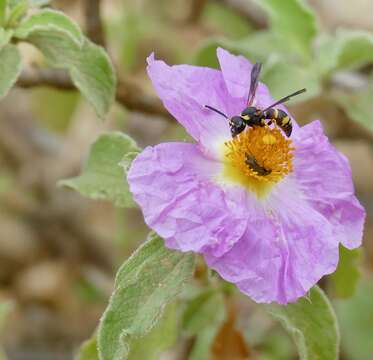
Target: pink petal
<point>172,184</point>
<point>324,176</point>
<point>185,90</point>
<point>278,259</point>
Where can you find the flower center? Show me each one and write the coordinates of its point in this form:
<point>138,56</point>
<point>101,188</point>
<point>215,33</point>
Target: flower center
<point>258,158</point>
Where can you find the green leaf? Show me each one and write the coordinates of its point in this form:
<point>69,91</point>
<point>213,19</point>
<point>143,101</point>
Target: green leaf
<point>346,50</point>
<point>347,275</point>
<point>10,68</point>
<point>225,20</point>
<point>356,318</point>
<point>3,8</point>
<point>48,19</point>
<point>159,339</point>
<point>39,3</point>
<point>358,105</point>
<point>5,308</point>
<point>294,22</point>
<point>17,12</point>
<point>61,42</point>
<point>260,46</point>
<point>284,78</point>
<point>88,350</point>
<point>150,279</point>
<point>5,36</point>
<point>203,317</point>
<point>102,176</point>
<point>312,324</point>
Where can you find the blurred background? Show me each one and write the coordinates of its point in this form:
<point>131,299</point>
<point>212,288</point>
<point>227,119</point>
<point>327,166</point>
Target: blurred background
<point>59,251</point>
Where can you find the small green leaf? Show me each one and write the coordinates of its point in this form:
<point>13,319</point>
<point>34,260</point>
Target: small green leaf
<point>61,42</point>
<point>102,176</point>
<point>259,46</point>
<point>203,317</point>
<point>204,310</point>
<point>5,36</point>
<point>39,3</point>
<point>347,275</point>
<point>88,350</point>
<point>346,50</point>
<point>225,20</point>
<point>356,319</point>
<point>48,19</point>
<point>312,324</point>
<point>17,12</point>
<point>358,105</point>
<point>5,308</point>
<point>294,22</point>
<point>159,339</point>
<point>10,68</point>
<point>284,78</point>
<point>145,284</point>
<point>3,8</point>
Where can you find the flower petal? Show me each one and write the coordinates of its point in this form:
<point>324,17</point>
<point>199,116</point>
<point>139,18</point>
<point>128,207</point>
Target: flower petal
<point>185,90</point>
<point>324,176</point>
<point>278,259</point>
<point>172,184</point>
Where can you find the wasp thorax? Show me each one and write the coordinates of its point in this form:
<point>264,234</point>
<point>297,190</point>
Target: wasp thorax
<point>262,154</point>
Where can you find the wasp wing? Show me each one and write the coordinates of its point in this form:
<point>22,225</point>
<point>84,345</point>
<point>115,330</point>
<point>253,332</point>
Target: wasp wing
<point>254,80</point>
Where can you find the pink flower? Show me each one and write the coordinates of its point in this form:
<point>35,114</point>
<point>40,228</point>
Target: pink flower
<point>273,235</point>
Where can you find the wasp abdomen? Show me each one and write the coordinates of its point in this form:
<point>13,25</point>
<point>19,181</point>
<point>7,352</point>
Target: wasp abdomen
<point>282,119</point>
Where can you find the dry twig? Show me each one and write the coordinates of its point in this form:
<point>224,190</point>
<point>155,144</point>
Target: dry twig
<point>128,93</point>
<point>94,25</point>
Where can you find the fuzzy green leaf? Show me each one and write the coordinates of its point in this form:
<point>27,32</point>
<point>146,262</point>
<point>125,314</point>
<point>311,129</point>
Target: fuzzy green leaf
<point>102,176</point>
<point>10,68</point>
<point>61,42</point>
<point>312,324</point>
<point>5,308</point>
<point>160,338</point>
<point>358,105</point>
<point>203,317</point>
<point>356,319</point>
<point>145,284</point>
<point>284,78</point>
<point>5,36</point>
<point>49,20</point>
<point>17,12</point>
<point>88,350</point>
<point>39,3</point>
<point>3,8</point>
<point>347,49</point>
<point>345,279</point>
<point>293,21</point>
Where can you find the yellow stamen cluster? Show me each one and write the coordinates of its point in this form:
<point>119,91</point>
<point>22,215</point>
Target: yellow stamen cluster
<point>258,157</point>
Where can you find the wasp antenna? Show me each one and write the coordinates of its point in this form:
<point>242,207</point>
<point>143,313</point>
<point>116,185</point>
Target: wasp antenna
<point>286,98</point>
<point>216,110</point>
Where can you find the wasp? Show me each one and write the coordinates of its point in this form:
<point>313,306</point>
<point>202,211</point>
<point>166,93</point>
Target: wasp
<point>253,164</point>
<point>253,116</point>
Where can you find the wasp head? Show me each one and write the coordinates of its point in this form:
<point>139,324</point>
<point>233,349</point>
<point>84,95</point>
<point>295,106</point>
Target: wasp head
<point>237,125</point>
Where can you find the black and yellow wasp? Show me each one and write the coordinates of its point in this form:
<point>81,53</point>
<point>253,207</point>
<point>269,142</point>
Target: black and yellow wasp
<point>253,116</point>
